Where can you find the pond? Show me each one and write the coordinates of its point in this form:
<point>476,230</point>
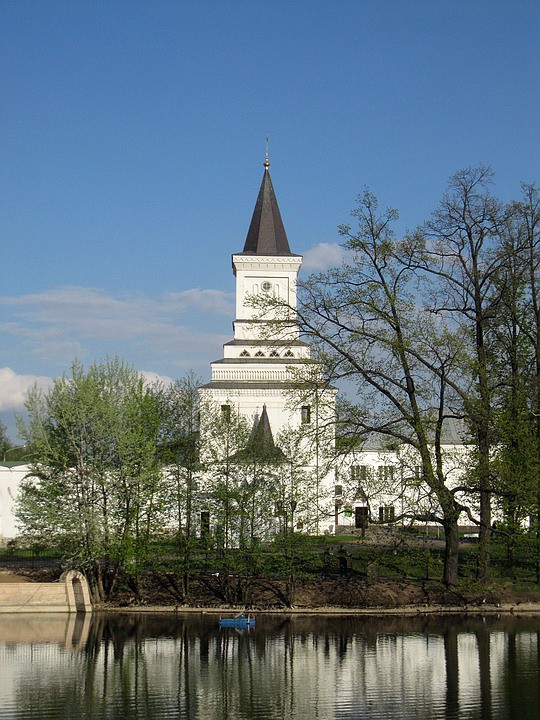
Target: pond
<point>289,667</point>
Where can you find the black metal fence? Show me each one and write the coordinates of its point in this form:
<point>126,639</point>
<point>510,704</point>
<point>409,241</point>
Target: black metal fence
<point>29,559</point>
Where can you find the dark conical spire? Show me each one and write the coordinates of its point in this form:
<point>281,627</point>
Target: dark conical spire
<point>261,443</point>
<point>266,234</point>
<point>262,432</point>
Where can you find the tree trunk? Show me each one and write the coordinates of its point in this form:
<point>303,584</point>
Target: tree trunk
<point>451,553</point>
<point>484,538</point>
<point>538,539</point>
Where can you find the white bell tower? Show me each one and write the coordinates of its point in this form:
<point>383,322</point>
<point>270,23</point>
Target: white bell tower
<point>256,371</point>
<point>256,376</point>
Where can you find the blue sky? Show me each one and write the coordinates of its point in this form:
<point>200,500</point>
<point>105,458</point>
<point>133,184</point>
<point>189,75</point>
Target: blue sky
<point>132,139</point>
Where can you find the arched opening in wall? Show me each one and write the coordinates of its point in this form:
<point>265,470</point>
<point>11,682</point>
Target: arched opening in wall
<point>259,353</point>
<point>78,595</point>
<point>244,353</point>
<point>274,353</point>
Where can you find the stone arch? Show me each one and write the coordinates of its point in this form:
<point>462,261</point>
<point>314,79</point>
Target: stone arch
<point>77,591</point>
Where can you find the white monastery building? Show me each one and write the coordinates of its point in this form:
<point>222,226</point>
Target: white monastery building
<point>258,378</point>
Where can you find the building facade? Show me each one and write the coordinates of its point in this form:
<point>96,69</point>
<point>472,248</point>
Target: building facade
<point>266,374</point>
<point>267,377</point>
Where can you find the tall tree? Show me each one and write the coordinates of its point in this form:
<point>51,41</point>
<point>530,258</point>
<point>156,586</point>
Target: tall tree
<point>224,434</point>
<point>529,212</point>
<point>515,463</point>
<point>95,474</point>
<point>365,324</point>
<point>518,342</point>
<point>179,453</point>
<point>460,252</point>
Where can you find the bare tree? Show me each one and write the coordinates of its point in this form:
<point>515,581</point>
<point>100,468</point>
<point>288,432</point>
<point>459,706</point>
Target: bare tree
<point>366,327</point>
<point>460,251</point>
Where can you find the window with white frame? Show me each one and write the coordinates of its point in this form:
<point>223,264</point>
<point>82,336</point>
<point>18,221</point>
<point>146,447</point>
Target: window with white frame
<point>387,514</point>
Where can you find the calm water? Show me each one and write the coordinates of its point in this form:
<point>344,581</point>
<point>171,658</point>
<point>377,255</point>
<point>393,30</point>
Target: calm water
<point>128,666</point>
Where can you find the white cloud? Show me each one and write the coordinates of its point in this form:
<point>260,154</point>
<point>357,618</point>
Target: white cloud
<point>96,312</point>
<point>208,301</point>
<point>323,256</point>
<point>153,377</point>
<point>67,322</point>
<point>14,388</point>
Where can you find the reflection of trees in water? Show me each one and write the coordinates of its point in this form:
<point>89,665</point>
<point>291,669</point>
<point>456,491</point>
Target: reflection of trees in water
<point>291,666</point>
<point>484,665</point>
<point>451,661</point>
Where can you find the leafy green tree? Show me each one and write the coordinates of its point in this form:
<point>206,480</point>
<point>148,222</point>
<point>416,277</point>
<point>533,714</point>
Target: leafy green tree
<point>224,433</point>
<point>515,347</point>
<point>295,488</point>
<point>5,443</point>
<point>95,471</point>
<point>241,470</point>
<point>529,222</point>
<point>179,453</point>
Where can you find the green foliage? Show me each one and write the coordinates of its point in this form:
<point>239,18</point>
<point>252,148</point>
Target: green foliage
<point>180,459</point>
<point>5,443</point>
<point>95,474</point>
<point>238,483</point>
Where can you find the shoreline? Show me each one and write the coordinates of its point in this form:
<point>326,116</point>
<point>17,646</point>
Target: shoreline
<point>524,608</point>
<point>330,597</point>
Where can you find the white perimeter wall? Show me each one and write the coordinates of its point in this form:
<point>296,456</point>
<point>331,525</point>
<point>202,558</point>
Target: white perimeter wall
<point>10,479</point>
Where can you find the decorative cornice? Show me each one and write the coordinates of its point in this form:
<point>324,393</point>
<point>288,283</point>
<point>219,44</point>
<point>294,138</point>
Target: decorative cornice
<point>271,344</point>
<point>267,262</point>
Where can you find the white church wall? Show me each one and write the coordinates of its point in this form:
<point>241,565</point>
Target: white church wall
<point>389,485</point>
<point>264,274</point>
<point>10,481</point>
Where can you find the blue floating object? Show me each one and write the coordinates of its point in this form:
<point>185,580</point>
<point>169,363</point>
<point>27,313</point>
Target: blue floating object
<point>240,621</point>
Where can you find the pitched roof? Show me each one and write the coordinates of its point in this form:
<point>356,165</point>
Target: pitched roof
<point>266,234</point>
<point>261,444</point>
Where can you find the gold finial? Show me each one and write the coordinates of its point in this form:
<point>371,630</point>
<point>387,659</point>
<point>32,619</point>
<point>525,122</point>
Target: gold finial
<point>266,163</point>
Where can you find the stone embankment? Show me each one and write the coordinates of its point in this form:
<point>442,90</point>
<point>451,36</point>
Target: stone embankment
<point>69,594</point>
